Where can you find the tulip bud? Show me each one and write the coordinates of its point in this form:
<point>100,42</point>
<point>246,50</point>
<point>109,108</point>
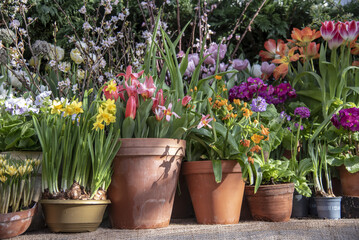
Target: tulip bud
<point>131,108</point>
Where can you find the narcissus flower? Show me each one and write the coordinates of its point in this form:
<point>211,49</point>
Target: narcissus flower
<point>98,125</point>
<point>204,121</point>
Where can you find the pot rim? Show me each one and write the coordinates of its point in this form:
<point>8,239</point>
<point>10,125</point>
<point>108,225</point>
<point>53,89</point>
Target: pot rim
<point>23,213</point>
<point>328,198</point>
<point>74,202</point>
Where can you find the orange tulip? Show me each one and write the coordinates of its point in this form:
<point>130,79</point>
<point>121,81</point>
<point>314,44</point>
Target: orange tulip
<point>304,37</point>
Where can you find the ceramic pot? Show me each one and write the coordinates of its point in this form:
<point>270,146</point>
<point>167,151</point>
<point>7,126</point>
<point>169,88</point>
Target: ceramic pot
<point>144,181</point>
<point>271,202</point>
<point>73,215</point>
<point>313,207</point>
<point>300,206</point>
<point>328,207</point>
<point>349,182</point>
<point>14,224</point>
<point>215,203</point>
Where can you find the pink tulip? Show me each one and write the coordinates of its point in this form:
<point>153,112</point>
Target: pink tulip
<point>240,64</point>
<point>336,41</point>
<point>159,114</point>
<point>204,121</point>
<point>158,100</point>
<point>168,112</point>
<point>130,75</point>
<point>147,89</point>
<point>131,108</point>
<point>186,100</point>
<point>327,30</point>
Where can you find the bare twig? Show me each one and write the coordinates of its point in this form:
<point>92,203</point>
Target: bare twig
<point>247,29</point>
<point>179,25</point>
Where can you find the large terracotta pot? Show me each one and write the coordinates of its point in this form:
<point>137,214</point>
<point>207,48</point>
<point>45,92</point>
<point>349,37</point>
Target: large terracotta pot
<point>215,203</point>
<point>14,224</point>
<point>349,182</point>
<point>144,181</point>
<point>271,202</point>
<point>73,215</point>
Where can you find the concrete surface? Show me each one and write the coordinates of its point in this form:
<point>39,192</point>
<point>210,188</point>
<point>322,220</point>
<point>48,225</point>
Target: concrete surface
<point>188,229</point>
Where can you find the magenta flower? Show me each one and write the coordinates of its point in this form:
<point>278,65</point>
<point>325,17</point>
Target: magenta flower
<point>348,30</point>
<point>327,30</point>
<point>302,112</point>
<point>204,121</point>
<point>347,118</point>
<point>336,41</point>
<point>130,75</point>
<point>240,64</point>
<point>167,112</point>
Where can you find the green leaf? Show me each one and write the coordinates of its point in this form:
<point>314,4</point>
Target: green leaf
<point>128,127</point>
<point>352,164</point>
<point>217,169</point>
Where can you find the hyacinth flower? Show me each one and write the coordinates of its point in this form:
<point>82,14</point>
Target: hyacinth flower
<point>259,104</point>
<point>205,120</point>
<point>272,48</point>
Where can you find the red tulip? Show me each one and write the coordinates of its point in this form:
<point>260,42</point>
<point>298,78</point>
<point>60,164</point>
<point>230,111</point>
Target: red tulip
<point>131,108</point>
<point>147,89</point>
<point>186,100</point>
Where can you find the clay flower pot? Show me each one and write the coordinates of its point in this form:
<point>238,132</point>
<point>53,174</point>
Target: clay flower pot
<point>215,203</point>
<point>349,182</point>
<point>73,215</point>
<point>271,202</point>
<point>14,224</point>
<point>144,181</point>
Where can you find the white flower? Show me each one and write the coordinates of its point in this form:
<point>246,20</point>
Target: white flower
<point>121,16</point>
<point>75,55</point>
<point>100,79</point>
<point>14,80</point>
<point>52,63</point>
<point>14,24</point>
<point>86,26</point>
<point>64,67</point>
<point>83,9</point>
<point>56,53</point>
<point>127,12</point>
<point>80,74</point>
<point>40,99</point>
<point>256,70</point>
<point>74,88</point>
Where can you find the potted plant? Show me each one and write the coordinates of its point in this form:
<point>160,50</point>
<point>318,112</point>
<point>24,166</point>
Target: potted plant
<point>346,149</point>
<point>219,153</point>
<point>273,199</point>
<point>79,143</point>
<point>17,187</point>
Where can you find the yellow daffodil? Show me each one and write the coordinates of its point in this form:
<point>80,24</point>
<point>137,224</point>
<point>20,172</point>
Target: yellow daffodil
<point>56,107</point>
<point>11,170</point>
<point>110,105</point>
<point>77,107</point>
<point>111,87</point>
<point>98,125</point>
<point>3,178</point>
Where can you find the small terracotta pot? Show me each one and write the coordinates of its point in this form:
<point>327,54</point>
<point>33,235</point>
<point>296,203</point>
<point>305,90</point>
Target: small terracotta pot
<point>144,181</point>
<point>271,202</point>
<point>73,215</point>
<point>349,182</point>
<point>14,224</point>
<point>215,203</point>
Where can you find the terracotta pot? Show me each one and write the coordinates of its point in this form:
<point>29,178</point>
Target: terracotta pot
<point>14,224</point>
<point>215,203</point>
<point>38,221</point>
<point>73,215</point>
<point>349,182</point>
<point>271,202</point>
<point>144,181</point>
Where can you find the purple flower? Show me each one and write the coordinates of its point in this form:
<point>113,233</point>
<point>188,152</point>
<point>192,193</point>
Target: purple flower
<point>297,125</point>
<point>222,67</point>
<point>284,115</point>
<point>259,104</point>
<point>240,64</point>
<point>267,68</point>
<point>347,118</point>
<point>302,112</point>
<point>193,57</point>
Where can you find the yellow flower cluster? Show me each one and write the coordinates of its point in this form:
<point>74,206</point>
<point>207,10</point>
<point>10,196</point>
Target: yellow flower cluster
<point>74,107</point>
<point>106,114</point>
<point>10,169</point>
